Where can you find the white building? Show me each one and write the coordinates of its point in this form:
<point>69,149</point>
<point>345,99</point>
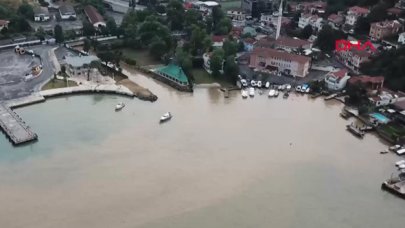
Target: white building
<point>79,65</point>
<point>206,7</point>
<point>308,19</point>
<point>337,80</point>
<point>401,38</point>
<point>354,13</point>
<point>67,12</point>
<point>41,14</point>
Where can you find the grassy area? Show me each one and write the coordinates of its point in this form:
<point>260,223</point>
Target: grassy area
<point>202,77</point>
<point>142,57</point>
<point>56,83</point>
<point>230,4</point>
<point>393,130</point>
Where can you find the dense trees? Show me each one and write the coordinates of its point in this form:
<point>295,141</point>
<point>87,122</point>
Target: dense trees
<point>175,14</point>
<point>26,10</point>
<point>389,64</point>
<point>58,32</point>
<point>327,38</point>
<point>231,69</point>
<point>306,32</point>
<point>216,62</point>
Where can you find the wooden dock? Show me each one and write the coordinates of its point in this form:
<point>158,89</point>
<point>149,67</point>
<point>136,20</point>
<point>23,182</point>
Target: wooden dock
<point>14,127</point>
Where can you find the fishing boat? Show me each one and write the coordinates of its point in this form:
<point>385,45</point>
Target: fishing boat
<point>267,85</point>
<point>259,84</point>
<point>285,95</point>
<point>119,106</point>
<point>276,93</point>
<point>244,93</point>
<point>167,116</point>
<point>251,91</point>
<point>272,92</point>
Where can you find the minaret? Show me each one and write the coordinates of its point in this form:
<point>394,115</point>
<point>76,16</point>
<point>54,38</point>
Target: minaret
<point>280,15</point>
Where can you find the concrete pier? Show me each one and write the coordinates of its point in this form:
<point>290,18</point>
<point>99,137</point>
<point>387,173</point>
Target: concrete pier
<point>14,127</point>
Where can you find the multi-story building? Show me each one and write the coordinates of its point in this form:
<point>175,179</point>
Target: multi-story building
<point>79,65</point>
<point>353,58</point>
<point>311,7</point>
<point>41,14</point>
<point>337,80</point>
<point>400,4</point>
<point>336,21</point>
<point>255,8</point>
<point>94,17</point>
<point>370,82</point>
<point>272,19</point>
<point>310,19</point>
<point>286,43</point>
<point>265,58</point>
<point>67,12</point>
<point>383,29</point>
<point>354,13</point>
<point>238,17</point>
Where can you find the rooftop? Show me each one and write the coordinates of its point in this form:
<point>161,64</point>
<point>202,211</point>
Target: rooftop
<point>358,10</point>
<point>273,53</point>
<point>41,10</point>
<point>66,9</point>
<point>367,79</point>
<point>93,14</point>
<point>79,61</point>
<point>4,22</point>
<point>386,24</point>
<point>174,71</point>
<point>282,41</point>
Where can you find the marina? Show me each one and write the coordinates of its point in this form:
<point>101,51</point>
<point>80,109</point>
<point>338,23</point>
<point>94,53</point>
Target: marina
<point>14,127</point>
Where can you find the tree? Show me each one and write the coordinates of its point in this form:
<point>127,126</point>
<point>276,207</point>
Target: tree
<point>86,45</point>
<point>327,38</point>
<point>183,59</point>
<point>378,13</point>
<point>306,32</point>
<point>111,27</point>
<point>223,27</point>
<point>216,62</point>
<point>40,33</point>
<point>58,32</point>
<point>362,25</point>
<point>63,69</point>
<point>217,15</point>
<point>88,29</point>
<point>158,48</point>
<point>231,69</point>
<point>198,40</point>
<point>230,47</point>
<point>175,14</point>
<point>356,95</point>
<point>26,10</point>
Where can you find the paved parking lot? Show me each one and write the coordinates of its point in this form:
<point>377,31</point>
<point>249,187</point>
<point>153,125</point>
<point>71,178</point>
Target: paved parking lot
<point>13,69</point>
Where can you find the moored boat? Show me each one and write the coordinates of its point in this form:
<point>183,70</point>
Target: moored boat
<point>251,91</point>
<point>276,93</point>
<point>165,117</point>
<point>288,87</point>
<point>244,93</point>
<point>394,147</point>
<point>259,84</point>
<point>267,85</point>
<point>286,94</point>
<point>355,130</point>
<point>119,106</point>
<point>272,92</point>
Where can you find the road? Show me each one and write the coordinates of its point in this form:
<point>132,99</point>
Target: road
<point>14,68</point>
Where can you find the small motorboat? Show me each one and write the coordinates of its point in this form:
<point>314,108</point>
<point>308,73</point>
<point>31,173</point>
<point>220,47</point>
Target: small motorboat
<point>285,95</point>
<point>276,93</point>
<point>260,92</point>
<point>288,87</point>
<point>253,83</point>
<point>394,148</point>
<point>259,84</point>
<point>119,106</point>
<point>398,163</point>
<point>244,83</point>
<point>401,166</point>
<point>272,92</point>
<point>267,85</point>
<point>298,88</point>
<point>307,90</point>
<point>280,87</point>
<point>244,93</point>
<point>251,91</point>
<point>167,116</point>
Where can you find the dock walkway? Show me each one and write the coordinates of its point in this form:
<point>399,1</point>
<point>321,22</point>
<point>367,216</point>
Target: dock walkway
<point>14,127</point>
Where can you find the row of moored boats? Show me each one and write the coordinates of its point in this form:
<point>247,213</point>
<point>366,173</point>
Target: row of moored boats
<point>273,92</point>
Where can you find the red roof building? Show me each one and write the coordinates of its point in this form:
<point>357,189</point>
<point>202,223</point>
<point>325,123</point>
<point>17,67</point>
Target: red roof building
<point>370,82</point>
<point>286,43</point>
<point>4,24</point>
<point>94,16</point>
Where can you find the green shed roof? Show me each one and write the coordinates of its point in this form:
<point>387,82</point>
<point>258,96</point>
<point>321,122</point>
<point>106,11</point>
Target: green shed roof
<point>174,71</point>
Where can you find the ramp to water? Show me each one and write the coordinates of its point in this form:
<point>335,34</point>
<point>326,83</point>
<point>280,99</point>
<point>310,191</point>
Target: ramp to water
<point>14,127</point>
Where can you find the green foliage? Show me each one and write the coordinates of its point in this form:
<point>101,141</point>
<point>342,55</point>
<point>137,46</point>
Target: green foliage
<point>88,29</point>
<point>231,69</point>
<point>98,4</point>
<point>158,48</point>
<point>110,56</point>
<point>199,41</point>
<point>223,27</point>
<point>175,14</point>
<point>40,33</point>
<point>129,61</point>
<point>58,32</point>
<point>111,27</point>
<point>306,32</point>
<point>183,59</point>
<point>230,47</point>
<point>389,64</point>
<point>216,62</point>
<point>86,45</point>
<point>327,38</point>
<point>26,11</point>
<point>357,95</point>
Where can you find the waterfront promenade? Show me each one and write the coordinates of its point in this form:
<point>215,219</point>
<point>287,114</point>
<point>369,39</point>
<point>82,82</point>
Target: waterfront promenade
<point>14,127</point>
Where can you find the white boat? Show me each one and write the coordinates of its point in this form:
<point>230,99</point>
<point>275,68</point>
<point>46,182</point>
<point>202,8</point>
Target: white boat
<point>276,93</point>
<point>260,92</point>
<point>167,116</point>
<point>288,87</point>
<point>282,88</point>
<point>400,151</point>
<point>398,163</point>
<point>244,83</point>
<point>251,91</point>
<point>279,87</point>
<point>394,148</point>
<point>401,166</point>
<point>119,106</point>
<point>272,92</point>
<point>307,90</point>
<point>244,93</point>
<point>253,83</point>
<point>259,84</point>
<point>267,85</point>
<point>298,88</point>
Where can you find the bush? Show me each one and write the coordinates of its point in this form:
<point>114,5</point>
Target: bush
<point>129,61</point>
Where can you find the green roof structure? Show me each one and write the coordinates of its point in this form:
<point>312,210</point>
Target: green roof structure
<point>174,72</point>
